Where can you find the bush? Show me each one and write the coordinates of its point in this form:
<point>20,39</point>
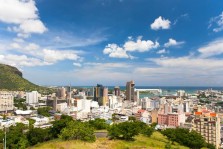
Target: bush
<point>98,124</point>
<point>184,137</point>
<point>125,130</point>
<point>77,130</point>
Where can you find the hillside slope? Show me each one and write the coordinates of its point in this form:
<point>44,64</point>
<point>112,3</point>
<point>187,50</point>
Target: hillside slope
<point>11,79</point>
<point>156,141</point>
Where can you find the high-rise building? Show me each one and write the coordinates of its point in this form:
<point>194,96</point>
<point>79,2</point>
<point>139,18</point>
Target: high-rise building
<point>117,91</point>
<point>208,125</point>
<point>101,94</point>
<point>32,97</point>
<point>130,91</point>
<point>61,93</point>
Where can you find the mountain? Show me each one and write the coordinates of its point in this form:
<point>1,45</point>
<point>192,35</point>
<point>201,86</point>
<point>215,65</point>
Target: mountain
<point>11,79</point>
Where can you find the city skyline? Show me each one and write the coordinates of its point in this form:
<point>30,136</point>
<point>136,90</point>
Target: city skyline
<point>154,43</point>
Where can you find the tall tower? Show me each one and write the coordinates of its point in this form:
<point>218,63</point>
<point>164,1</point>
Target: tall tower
<point>130,91</point>
<point>100,94</point>
<point>117,91</point>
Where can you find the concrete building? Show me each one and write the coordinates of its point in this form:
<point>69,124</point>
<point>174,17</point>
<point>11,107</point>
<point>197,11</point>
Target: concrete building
<point>61,93</point>
<point>6,102</point>
<point>130,91</point>
<point>208,125</point>
<point>32,97</point>
<point>117,91</point>
<point>101,95</point>
<point>181,93</point>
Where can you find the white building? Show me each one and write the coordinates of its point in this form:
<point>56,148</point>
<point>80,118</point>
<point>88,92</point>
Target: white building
<point>32,97</point>
<point>61,107</point>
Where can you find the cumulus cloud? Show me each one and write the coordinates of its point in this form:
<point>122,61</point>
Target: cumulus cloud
<point>24,16</point>
<point>217,22</point>
<point>115,51</point>
<point>140,45</point>
<point>212,49</point>
<point>173,42</point>
<point>160,23</point>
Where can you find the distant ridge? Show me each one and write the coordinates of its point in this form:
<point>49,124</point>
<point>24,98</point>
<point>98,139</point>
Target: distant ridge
<point>12,79</point>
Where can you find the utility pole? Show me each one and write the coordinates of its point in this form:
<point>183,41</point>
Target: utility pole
<point>5,139</point>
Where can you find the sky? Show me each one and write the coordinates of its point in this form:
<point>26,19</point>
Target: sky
<point>85,42</point>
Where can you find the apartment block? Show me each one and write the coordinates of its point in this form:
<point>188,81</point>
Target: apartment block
<point>208,125</point>
<point>6,102</point>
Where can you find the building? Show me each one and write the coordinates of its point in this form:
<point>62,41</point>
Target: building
<point>101,95</point>
<point>6,102</point>
<point>32,97</point>
<point>208,125</point>
<point>169,116</point>
<point>130,91</point>
<point>117,91</point>
<point>61,93</point>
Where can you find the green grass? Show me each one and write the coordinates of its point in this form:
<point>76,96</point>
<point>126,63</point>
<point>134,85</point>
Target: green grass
<point>156,141</point>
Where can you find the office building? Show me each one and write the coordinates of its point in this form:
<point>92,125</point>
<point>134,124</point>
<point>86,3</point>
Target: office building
<point>130,91</point>
<point>101,95</point>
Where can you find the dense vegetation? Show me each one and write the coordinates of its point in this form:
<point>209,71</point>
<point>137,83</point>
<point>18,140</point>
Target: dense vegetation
<point>185,137</point>
<point>11,79</point>
<point>20,103</point>
<point>128,130</point>
<point>44,111</point>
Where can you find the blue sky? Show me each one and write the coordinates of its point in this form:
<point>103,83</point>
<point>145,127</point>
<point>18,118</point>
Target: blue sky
<point>154,42</point>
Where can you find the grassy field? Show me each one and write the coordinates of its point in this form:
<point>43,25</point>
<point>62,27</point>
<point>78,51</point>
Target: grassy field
<point>156,141</point>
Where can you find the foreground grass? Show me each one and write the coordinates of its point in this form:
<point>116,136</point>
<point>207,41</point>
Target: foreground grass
<point>156,141</point>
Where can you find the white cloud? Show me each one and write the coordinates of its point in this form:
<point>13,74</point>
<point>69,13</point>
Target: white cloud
<point>173,42</point>
<point>53,56</point>
<point>189,63</point>
<point>115,51</point>
<point>77,64</point>
<point>36,55</point>
<point>212,49</point>
<point>140,45</point>
<point>23,14</point>
<point>162,51</point>
<point>160,23</point>
<point>21,60</point>
<point>32,26</point>
<point>17,11</point>
<point>217,22</point>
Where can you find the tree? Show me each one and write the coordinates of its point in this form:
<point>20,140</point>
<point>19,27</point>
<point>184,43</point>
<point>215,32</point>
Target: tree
<point>184,137</point>
<point>58,125</point>
<point>38,135</point>
<point>16,137</point>
<point>44,111</point>
<point>148,131</point>
<point>125,130</point>
<point>77,130</point>
<point>98,124</point>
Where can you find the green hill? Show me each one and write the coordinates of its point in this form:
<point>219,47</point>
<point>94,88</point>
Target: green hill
<point>11,79</point>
